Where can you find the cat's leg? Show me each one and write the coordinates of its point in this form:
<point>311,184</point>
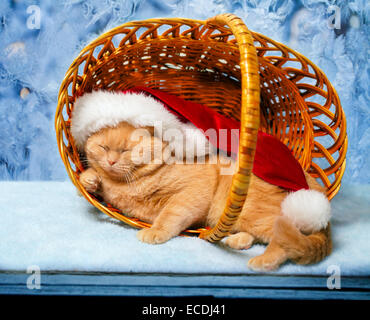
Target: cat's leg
<point>154,235</point>
<point>171,221</point>
<point>90,180</point>
<point>240,240</point>
<point>275,254</point>
<point>288,243</point>
<point>271,259</point>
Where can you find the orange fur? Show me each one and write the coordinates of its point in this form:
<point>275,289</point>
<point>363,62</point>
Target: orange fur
<point>174,197</point>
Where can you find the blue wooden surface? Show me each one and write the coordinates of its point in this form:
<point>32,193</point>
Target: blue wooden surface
<point>173,285</point>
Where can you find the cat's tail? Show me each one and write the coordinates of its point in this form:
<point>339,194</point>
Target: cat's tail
<point>304,230</point>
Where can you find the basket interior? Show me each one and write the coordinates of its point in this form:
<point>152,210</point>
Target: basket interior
<point>208,73</point>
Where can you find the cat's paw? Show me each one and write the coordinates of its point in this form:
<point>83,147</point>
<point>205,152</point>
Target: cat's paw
<point>264,263</point>
<point>240,240</point>
<point>153,236</point>
<point>90,180</point>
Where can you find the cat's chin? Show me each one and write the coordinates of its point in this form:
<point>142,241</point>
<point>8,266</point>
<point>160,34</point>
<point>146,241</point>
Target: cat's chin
<point>114,174</point>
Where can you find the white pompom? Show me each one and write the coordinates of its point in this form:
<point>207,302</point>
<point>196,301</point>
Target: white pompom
<point>309,210</point>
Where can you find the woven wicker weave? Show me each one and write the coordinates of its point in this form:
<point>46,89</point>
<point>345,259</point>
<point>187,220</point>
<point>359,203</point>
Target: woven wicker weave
<point>223,65</point>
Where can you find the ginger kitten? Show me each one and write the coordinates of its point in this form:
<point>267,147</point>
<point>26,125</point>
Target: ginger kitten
<point>174,197</point>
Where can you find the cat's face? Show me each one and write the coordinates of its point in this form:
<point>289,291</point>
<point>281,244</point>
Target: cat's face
<point>120,151</point>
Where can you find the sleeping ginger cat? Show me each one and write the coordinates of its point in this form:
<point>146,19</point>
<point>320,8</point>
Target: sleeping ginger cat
<point>174,197</point>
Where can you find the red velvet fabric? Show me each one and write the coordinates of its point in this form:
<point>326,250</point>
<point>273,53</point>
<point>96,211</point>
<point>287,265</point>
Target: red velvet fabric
<point>273,161</point>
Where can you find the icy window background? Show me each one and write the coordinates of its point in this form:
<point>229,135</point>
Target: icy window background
<point>33,63</point>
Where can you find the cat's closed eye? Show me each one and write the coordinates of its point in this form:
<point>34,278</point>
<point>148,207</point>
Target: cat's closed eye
<point>106,148</point>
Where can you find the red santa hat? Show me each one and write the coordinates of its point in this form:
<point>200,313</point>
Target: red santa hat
<point>141,106</point>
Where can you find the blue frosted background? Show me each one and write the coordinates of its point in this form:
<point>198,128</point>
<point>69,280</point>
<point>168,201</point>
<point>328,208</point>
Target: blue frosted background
<point>37,60</point>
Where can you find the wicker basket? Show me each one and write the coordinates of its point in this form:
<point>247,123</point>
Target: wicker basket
<point>221,64</point>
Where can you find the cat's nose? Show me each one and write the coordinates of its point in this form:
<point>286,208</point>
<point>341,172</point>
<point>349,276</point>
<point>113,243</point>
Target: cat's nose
<point>111,162</point>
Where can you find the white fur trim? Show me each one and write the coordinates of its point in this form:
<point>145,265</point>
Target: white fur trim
<point>100,109</point>
<point>309,210</point>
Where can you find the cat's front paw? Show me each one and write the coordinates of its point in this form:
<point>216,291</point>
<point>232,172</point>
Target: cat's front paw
<point>90,180</point>
<point>153,236</point>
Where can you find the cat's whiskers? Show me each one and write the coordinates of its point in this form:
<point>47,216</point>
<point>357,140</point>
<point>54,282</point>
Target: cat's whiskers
<point>130,178</point>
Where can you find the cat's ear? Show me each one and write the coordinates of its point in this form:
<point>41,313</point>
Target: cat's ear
<point>150,129</point>
<point>87,144</point>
